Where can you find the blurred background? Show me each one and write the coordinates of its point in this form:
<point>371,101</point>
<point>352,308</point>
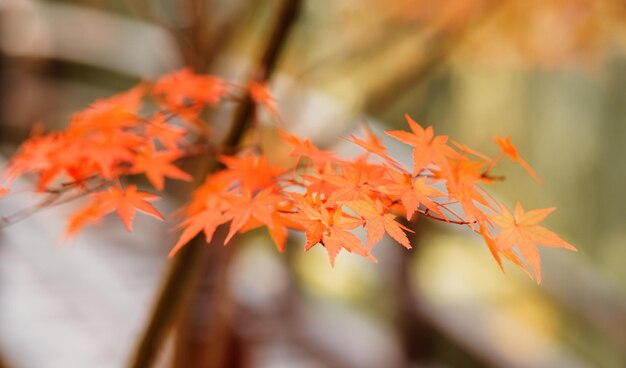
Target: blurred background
<point>550,73</point>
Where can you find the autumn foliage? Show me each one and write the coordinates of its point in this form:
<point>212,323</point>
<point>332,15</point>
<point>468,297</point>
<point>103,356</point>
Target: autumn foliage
<point>147,130</point>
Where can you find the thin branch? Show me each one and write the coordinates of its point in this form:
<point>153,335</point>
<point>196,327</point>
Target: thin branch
<point>54,198</point>
<point>430,215</point>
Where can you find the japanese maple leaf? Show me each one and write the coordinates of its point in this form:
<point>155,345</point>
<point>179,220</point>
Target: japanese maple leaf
<point>468,196</point>
<point>3,192</point>
<point>372,144</point>
<point>318,182</point>
<point>246,207</point>
<point>39,154</point>
<point>491,244</point>
<point>251,170</point>
<point>49,157</point>
<point>512,153</point>
<point>91,213</point>
<point>206,221</point>
<point>379,222</point>
<point>461,183</point>
<point>278,230</point>
<point>462,172</point>
<point>335,238</point>
<point>495,252</point>
<point>109,115</point>
<point>466,149</point>
<point>521,229</point>
<point>305,148</point>
<point>158,165</point>
<point>205,211</point>
<point>183,90</point>
<point>170,136</point>
<point>107,152</point>
<point>327,226</point>
<point>427,149</point>
<point>413,193</point>
<point>352,182</point>
<point>126,202</point>
<point>210,192</point>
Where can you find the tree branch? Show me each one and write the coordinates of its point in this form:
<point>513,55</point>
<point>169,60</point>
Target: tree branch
<point>186,268</point>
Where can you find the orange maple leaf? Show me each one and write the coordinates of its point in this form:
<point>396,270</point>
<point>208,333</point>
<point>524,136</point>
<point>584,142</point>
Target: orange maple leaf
<point>354,181</point>
<point>207,221</point>
<point>109,115</point>
<point>41,155</point>
<point>335,238</point>
<point>466,149</point>
<point>372,144</point>
<point>246,207</point>
<point>169,135</point>
<point>512,153</point>
<point>305,148</point>
<point>185,92</point>
<point>108,152</point>
<point>413,193</point>
<point>379,222</point>
<point>91,213</point>
<point>126,202</point>
<point>327,226</point>
<point>507,253</point>
<point>520,229</point>
<point>278,230</point>
<point>252,171</point>
<point>158,165</point>
<point>427,149</point>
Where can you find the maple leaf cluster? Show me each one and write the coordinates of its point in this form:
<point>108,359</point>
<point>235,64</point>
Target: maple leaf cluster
<point>318,193</point>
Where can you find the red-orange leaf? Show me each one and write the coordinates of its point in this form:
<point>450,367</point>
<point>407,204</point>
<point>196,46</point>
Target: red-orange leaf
<point>379,222</point>
<point>126,202</point>
<point>327,226</point>
<point>183,91</point>
<point>207,221</point>
<point>110,115</point>
<point>261,207</point>
<point>521,229</point>
<point>252,171</point>
<point>158,165</point>
<point>373,145</point>
<point>107,152</point>
<point>512,153</point>
<point>89,214</point>
<point>170,136</point>
<point>335,238</point>
<point>278,230</point>
<point>413,193</point>
<point>427,149</point>
<point>305,148</point>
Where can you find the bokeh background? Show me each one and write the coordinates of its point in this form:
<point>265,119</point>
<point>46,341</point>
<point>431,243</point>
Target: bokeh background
<point>550,73</point>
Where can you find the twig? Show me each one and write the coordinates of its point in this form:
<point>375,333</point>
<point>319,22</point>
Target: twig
<point>53,199</point>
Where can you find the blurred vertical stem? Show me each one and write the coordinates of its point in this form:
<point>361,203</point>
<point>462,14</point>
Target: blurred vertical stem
<point>414,331</point>
<point>186,268</point>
